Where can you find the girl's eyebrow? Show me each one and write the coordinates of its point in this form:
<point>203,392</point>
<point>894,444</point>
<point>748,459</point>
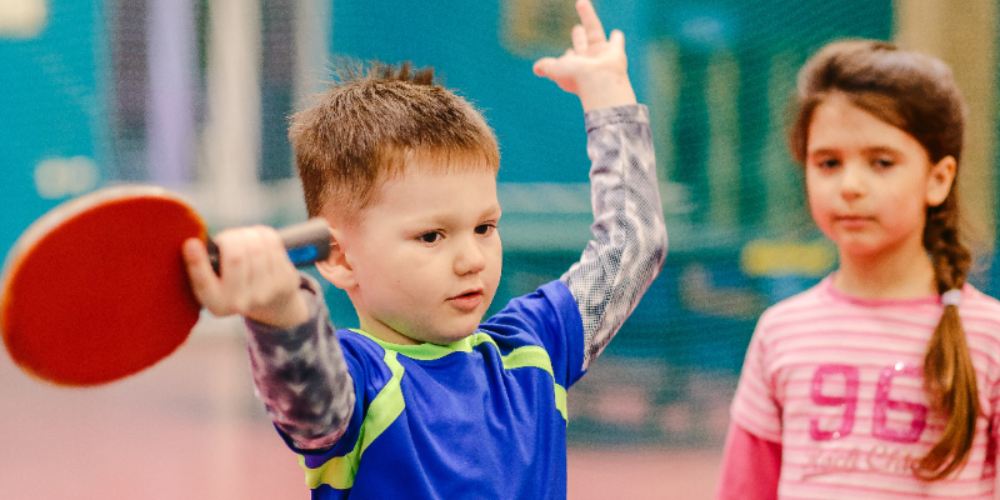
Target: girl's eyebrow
<point>868,150</point>
<point>881,150</point>
<point>822,152</point>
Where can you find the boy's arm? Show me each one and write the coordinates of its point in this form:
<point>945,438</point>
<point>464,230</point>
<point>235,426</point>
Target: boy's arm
<point>301,375</point>
<point>298,366</point>
<point>630,239</point>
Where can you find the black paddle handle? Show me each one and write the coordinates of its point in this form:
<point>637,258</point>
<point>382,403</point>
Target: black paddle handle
<point>307,243</point>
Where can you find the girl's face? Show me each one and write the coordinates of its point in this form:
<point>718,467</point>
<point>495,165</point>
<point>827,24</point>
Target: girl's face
<point>870,183</point>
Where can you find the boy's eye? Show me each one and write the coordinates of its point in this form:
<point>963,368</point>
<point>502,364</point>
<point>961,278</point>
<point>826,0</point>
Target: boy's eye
<point>431,237</point>
<point>485,229</point>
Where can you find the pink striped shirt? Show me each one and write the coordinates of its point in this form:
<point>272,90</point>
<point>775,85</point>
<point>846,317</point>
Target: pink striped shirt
<point>838,382</point>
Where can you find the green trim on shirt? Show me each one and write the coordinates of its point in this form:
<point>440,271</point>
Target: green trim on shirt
<point>388,405</point>
<point>529,356</point>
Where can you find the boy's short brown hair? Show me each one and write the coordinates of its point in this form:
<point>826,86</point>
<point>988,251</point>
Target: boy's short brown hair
<point>371,123</point>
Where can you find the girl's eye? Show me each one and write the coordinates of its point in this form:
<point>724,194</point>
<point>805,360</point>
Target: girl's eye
<point>431,237</point>
<point>828,163</point>
<point>485,229</point>
<point>883,163</point>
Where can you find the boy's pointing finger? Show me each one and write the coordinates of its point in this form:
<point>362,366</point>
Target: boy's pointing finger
<point>579,37</point>
<point>591,23</point>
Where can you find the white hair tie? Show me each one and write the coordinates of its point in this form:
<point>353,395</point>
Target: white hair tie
<point>952,297</point>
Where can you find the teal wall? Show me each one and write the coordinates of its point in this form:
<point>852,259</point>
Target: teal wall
<point>53,107</point>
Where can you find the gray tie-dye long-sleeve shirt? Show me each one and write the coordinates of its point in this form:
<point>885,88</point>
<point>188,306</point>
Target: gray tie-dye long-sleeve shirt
<point>301,375</point>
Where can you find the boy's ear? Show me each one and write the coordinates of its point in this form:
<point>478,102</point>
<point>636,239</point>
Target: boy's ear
<point>941,180</point>
<point>336,269</point>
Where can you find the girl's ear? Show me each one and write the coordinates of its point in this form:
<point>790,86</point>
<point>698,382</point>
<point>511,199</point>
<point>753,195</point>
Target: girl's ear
<point>941,180</point>
<point>336,269</point>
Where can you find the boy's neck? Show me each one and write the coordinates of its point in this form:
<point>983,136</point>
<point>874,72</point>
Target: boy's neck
<point>387,335</point>
<point>904,274</point>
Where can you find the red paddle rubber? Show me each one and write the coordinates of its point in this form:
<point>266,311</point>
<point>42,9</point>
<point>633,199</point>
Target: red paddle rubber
<point>96,289</point>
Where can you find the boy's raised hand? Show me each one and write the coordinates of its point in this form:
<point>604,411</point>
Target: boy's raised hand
<point>258,280</point>
<point>595,69</point>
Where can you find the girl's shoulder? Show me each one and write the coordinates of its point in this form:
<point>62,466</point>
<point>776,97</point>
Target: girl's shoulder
<point>975,299</point>
<point>979,311</point>
<point>980,315</point>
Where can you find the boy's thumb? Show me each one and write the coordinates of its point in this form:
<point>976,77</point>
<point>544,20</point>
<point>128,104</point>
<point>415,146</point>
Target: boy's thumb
<point>541,65</point>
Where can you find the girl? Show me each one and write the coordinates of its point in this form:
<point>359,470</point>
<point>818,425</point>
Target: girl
<point>882,380</point>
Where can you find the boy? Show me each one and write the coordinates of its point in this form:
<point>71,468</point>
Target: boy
<point>423,401</point>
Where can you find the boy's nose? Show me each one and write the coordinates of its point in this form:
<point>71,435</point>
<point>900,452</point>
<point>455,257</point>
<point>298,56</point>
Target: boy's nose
<point>470,258</point>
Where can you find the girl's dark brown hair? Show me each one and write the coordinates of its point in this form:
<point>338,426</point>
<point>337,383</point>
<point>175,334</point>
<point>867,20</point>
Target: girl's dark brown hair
<point>917,94</point>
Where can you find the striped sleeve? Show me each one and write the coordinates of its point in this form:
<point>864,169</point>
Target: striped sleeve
<point>756,407</point>
<point>751,467</point>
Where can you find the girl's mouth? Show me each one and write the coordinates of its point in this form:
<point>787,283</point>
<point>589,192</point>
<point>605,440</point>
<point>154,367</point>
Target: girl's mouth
<point>853,221</point>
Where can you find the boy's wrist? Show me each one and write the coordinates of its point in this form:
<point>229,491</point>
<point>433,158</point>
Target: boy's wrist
<point>606,92</point>
<point>293,312</point>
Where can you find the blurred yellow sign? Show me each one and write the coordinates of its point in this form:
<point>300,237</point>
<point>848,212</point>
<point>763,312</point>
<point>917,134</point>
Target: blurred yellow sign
<point>772,258</point>
<point>532,28</point>
<point>22,18</point>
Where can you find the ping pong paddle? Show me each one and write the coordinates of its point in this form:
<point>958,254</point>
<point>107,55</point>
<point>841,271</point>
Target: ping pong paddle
<point>96,289</point>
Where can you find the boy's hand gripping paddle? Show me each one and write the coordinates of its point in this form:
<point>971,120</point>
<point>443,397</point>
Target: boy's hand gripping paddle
<point>96,289</point>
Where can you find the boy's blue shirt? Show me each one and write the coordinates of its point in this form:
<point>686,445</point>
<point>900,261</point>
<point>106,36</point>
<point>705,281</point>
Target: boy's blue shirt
<point>487,412</point>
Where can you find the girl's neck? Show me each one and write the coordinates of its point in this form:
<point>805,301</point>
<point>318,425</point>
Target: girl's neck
<point>903,274</point>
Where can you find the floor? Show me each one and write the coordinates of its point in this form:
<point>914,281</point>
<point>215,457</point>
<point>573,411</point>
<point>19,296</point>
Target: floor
<point>191,428</point>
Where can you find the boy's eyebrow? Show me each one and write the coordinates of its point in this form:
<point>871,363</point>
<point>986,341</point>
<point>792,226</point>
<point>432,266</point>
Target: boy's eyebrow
<point>491,212</point>
<point>495,209</point>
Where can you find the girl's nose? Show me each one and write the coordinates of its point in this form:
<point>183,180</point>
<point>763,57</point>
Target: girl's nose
<point>852,181</point>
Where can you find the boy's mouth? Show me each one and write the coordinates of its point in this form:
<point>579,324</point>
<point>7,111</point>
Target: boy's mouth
<point>467,301</point>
